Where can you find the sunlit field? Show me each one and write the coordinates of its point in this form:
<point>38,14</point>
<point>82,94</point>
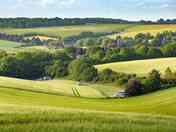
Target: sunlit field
<point>141,67</point>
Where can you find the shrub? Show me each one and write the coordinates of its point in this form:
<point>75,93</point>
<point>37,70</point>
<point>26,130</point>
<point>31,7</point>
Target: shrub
<point>133,87</point>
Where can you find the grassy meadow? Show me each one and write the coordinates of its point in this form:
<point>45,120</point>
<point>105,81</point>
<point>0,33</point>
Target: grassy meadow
<point>60,87</point>
<point>23,109</point>
<point>163,102</point>
<point>141,67</point>
<point>8,44</point>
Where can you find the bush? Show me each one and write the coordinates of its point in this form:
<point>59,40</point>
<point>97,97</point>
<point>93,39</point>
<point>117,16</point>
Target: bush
<point>133,87</point>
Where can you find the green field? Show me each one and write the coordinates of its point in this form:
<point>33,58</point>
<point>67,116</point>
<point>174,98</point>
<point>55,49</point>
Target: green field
<point>141,67</point>
<point>51,106</point>
<point>8,44</point>
<point>66,31</point>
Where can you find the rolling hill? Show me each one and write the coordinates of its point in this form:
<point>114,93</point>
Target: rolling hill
<point>33,105</point>
<point>163,102</point>
<point>141,67</point>
<point>60,87</point>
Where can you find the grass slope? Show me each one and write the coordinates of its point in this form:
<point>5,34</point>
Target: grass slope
<point>162,102</point>
<point>141,67</point>
<point>8,44</point>
<point>68,30</point>
<point>60,87</point>
<point>24,108</point>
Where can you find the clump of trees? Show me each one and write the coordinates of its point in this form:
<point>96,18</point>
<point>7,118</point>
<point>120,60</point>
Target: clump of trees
<point>15,38</point>
<point>155,81</point>
<point>31,64</point>
<point>109,76</point>
<point>82,70</point>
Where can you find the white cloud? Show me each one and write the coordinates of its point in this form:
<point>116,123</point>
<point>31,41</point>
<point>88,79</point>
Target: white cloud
<point>44,3</point>
<point>164,6</point>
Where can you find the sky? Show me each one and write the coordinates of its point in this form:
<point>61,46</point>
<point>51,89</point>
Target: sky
<point>124,9</point>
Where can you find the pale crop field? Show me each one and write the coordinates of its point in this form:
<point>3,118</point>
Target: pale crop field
<point>152,29</point>
<point>141,67</point>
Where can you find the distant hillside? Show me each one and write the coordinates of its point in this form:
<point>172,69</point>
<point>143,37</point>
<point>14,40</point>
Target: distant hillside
<point>141,67</point>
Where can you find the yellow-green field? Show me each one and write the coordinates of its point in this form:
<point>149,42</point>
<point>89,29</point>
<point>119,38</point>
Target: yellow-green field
<point>152,29</point>
<point>60,87</point>
<point>68,30</point>
<point>141,67</point>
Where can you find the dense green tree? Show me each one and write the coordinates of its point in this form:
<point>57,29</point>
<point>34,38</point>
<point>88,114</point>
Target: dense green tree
<point>57,69</point>
<point>154,52</point>
<point>96,54</point>
<point>127,53</point>
<point>107,76</point>
<point>80,70</point>
<point>142,50</point>
<point>169,50</point>
<point>9,66</point>
<point>153,82</point>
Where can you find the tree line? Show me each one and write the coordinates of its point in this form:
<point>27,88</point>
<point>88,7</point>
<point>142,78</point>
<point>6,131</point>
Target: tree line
<point>47,22</point>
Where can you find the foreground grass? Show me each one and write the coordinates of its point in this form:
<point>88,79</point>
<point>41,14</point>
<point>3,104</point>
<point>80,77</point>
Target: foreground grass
<point>141,67</point>
<point>85,122</point>
<point>8,44</point>
<point>66,31</point>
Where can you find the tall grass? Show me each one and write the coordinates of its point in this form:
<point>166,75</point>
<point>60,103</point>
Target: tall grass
<point>85,122</point>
